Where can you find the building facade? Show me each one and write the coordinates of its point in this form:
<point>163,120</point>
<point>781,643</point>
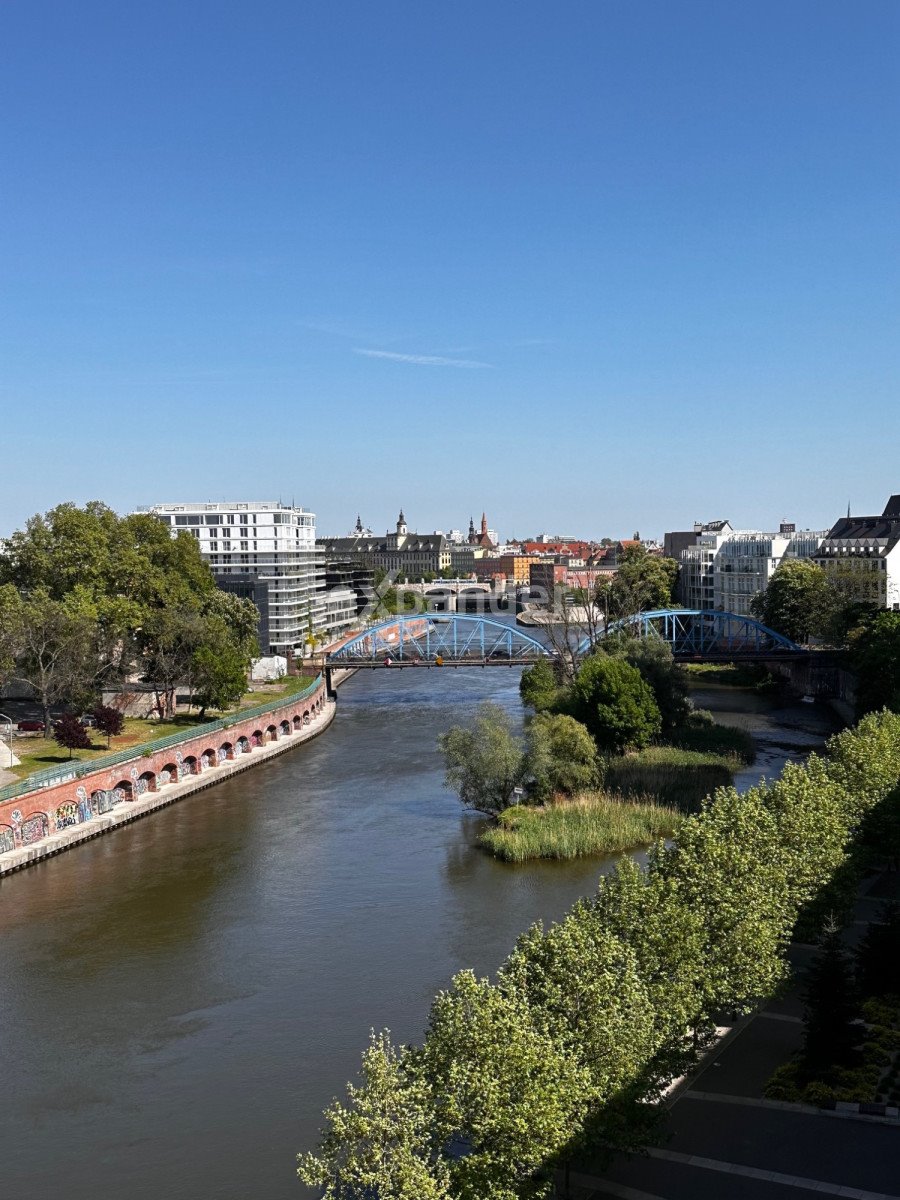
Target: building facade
<point>411,554</point>
<point>745,563</point>
<point>862,556</point>
<point>256,547</point>
<point>725,568</point>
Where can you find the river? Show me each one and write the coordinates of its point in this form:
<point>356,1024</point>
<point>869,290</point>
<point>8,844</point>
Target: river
<point>179,999</point>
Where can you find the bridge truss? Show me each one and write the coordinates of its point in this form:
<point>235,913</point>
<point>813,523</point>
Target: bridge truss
<point>708,636</point>
<point>426,638</point>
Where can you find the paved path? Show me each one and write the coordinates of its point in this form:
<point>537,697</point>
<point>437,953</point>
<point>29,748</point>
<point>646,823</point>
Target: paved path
<point>726,1142</point>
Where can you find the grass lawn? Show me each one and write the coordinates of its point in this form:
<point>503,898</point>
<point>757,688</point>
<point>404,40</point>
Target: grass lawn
<point>592,824</point>
<point>39,753</point>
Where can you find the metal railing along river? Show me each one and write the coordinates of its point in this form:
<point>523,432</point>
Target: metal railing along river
<point>77,768</point>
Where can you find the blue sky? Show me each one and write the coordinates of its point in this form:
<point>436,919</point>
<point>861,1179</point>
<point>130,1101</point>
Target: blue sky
<point>591,266</point>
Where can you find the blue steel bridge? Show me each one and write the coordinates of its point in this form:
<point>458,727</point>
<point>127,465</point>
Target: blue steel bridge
<point>452,640</point>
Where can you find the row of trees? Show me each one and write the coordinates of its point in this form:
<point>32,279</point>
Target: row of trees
<point>88,597</point>
<point>568,1049</point>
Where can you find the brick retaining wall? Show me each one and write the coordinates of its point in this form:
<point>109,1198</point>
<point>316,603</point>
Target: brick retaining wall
<point>28,820</point>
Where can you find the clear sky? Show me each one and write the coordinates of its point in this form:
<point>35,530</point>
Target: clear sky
<point>593,266</point>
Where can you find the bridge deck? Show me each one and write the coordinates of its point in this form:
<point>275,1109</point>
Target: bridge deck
<point>400,663</point>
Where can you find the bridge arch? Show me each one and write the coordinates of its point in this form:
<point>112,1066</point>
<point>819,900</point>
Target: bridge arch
<point>704,634</point>
<point>425,637</point>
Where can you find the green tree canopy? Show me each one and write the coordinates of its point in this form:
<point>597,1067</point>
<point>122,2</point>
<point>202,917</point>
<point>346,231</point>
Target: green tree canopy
<point>53,645</point>
<point>609,696</point>
<point>539,686</point>
<point>562,756</point>
<point>799,601</point>
<point>504,1085</point>
<point>124,566</point>
<point>385,1141</point>
<point>876,658</point>
<point>643,582</point>
<point>667,680</point>
<point>485,762</point>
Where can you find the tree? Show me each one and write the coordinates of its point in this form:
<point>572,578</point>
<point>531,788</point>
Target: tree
<point>878,955</point>
<point>798,602</point>
<point>668,681</point>
<point>562,756</point>
<point>71,734</point>
<point>484,763</point>
<point>240,617</point>
<point>539,686</point>
<point>385,1143</point>
<point>218,671</point>
<point>170,638</point>
<point>109,721</point>
<point>56,648</point>
<point>643,582</point>
<point>876,658</point>
<point>613,701</point>
<point>503,1085</point>
<point>831,1035</point>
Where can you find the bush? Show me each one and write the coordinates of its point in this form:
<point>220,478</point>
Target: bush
<point>562,756</point>
<point>613,701</point>
<point>783,1084</point>
<point>818,1093</point>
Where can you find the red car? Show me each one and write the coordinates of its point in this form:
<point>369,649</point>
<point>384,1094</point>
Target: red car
<point>31,727</point>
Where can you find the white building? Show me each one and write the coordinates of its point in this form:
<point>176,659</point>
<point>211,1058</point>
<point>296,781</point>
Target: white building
<point>746,561</point>
<point>862,555</point>
<point>266,551</point>
<point>696,582</point>
<point>726,568</point>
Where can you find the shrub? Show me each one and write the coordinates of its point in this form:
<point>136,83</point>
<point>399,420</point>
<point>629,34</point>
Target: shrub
<point>818,1093</point>
<point>613,701</point>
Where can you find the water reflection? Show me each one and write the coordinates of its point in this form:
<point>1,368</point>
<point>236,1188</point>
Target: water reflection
<point>181,998</point>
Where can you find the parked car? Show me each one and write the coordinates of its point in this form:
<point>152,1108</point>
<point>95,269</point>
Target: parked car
<point>88,720</point>
<point>30,726</point>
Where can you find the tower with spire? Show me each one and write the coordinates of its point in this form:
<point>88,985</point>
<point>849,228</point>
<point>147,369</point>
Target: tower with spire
<point>401,525</point>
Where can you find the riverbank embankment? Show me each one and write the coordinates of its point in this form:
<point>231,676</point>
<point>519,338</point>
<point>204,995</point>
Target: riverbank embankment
<point>37,824</point>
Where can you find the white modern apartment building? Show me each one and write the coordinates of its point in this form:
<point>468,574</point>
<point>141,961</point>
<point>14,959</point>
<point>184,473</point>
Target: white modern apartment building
<point>746,561</point>
<point>264,550</point>
<point>726,568</point>
<point>862,556</point>
<point>696,579</point>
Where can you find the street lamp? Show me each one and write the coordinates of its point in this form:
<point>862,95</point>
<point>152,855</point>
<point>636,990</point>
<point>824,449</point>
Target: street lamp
<point>8,720</point>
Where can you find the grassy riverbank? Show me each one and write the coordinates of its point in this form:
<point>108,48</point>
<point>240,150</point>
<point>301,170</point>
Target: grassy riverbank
<point>697,759</point>
<point>36,753</point>
<point>594,823</point>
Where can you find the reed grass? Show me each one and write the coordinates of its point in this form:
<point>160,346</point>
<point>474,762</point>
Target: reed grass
<point>593,823</point>
<point>673,777</point>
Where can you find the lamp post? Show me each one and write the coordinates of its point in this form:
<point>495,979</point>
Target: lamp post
<point>8,720</point>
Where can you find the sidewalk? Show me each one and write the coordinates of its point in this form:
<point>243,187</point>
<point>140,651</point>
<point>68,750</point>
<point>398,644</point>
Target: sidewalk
<point>725,1141</point>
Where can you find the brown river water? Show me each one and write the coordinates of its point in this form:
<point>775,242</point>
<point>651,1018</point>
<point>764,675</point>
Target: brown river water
<point>180,999</point>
